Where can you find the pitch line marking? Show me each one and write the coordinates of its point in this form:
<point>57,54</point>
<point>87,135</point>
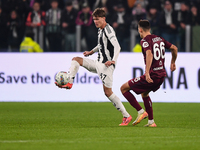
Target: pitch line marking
<point>67,141</point>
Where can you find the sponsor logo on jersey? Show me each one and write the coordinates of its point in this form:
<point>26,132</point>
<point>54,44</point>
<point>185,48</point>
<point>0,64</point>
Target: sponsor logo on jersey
<point>145,44</point>
<point>158,68</point>
<point>160,63</point>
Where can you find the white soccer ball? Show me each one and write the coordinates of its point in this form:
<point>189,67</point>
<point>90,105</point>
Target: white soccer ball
<point>62,78</point>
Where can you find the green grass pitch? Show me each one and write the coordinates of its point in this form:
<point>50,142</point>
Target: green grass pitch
<point>94,126</point>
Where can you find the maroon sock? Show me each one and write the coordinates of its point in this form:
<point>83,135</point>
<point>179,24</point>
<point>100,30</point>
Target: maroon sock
<point>148,107</point>
<point>131,99</point>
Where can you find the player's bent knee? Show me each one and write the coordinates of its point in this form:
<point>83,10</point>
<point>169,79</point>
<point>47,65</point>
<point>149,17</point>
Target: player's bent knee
<point>75,58</point>
<point>124,88</point>
<point>145,94</point>
<point>78,59</point>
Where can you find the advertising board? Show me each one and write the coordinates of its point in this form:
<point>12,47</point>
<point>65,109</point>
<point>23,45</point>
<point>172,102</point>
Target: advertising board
<point>30,77</point>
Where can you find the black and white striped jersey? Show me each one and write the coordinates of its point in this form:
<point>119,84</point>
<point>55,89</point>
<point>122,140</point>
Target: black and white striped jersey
<point>108,47</point>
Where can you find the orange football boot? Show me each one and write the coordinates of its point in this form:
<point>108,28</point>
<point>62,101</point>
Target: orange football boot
<point>125,121</point>
<point>140,118</point>
<point>67,86</point>
<point>151,125</point>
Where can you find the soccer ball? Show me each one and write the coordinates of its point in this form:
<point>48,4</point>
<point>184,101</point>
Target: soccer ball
<point>62,78</point>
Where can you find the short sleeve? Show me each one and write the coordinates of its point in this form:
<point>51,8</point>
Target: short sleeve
<point>145,45</point>
<point>167,44</point>
<point>110,33</point>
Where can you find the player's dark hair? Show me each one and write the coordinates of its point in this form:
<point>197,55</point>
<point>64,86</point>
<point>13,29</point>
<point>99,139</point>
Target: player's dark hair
<point>144,24</point>
<point>99,12</point>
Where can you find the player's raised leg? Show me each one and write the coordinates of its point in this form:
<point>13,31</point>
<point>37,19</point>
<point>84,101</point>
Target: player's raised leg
<point>118,105</point>
<point>75,64</point>
<point>125,89</point>
<point>148,106</point>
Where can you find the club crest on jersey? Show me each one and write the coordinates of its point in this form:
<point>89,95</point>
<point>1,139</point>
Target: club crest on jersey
<point>145,44</point>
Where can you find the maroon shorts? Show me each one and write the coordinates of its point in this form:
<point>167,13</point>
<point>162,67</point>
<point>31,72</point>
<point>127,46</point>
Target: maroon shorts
<point>140,85</point>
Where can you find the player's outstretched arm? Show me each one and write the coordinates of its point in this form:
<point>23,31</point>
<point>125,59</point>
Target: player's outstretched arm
<point>88,53</point>
<point>149,59</point>
<point>174,51</point>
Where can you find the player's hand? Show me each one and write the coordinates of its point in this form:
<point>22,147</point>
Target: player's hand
<point>109,63</point>
<point>173,66</point>
<point>148,78</point>
<point>87,53</point>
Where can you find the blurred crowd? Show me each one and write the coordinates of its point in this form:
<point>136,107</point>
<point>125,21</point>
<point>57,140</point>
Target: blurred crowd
<point>52,23</point>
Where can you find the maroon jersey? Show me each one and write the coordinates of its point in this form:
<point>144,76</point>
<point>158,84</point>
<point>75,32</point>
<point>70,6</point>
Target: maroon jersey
<point>157,46</point>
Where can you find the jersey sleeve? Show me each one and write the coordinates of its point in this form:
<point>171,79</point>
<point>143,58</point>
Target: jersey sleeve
<point>110,33</point>
<point>145,45</point>
<point>167,44</point>
<point>95,49</point>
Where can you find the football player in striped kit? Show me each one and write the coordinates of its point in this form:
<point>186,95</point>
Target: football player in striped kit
<point>108,50</point>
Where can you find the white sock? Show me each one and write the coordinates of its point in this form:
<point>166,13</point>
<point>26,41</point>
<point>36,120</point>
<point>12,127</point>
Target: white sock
<point>150,121</point>
<point>73,70</point>
<point>141,111</point>
<point>118,104</point>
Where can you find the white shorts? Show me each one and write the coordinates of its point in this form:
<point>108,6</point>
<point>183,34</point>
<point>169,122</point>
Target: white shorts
<point>105,73</point>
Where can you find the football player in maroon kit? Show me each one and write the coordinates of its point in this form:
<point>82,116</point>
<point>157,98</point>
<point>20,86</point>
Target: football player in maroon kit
<point>153,49</point>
